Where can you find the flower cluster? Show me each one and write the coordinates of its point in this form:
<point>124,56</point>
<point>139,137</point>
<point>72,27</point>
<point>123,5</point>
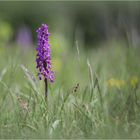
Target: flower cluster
<point>116,83</point>
<point>133,82</point>
<point>43,58</point>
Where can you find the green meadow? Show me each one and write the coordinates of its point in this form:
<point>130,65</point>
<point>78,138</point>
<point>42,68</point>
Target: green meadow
<point>96,92</point>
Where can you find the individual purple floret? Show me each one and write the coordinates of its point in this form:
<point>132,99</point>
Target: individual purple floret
<point>43,58</point>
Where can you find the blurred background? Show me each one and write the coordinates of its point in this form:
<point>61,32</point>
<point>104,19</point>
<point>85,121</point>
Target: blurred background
<point>87,26</point>
<point>91,23</point>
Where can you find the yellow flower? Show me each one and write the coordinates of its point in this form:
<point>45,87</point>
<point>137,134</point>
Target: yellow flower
<point>116,83</point>
<point>111,82</point>
<point>134,81</point>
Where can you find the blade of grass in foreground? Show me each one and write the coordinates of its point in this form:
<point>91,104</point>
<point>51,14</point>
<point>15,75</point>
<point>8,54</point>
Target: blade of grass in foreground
<point>30,76</point>
<point>3,72</point>
<point>96,84</point>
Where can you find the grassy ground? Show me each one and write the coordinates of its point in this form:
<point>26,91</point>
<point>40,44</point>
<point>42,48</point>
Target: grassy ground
<point>96,94</point>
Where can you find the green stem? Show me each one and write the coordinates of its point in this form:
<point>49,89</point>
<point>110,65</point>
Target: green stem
<point>46,88</point>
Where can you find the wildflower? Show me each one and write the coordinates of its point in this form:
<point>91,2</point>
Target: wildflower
<point>24,37</point>
<point>116,83</point>
<point>43,58</point>
<point>134,81</point>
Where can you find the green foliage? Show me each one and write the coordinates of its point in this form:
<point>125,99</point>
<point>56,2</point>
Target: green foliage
<point>5,31</point>
<point>81,104</point>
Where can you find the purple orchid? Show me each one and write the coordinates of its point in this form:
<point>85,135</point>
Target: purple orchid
<point>43,58</point>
